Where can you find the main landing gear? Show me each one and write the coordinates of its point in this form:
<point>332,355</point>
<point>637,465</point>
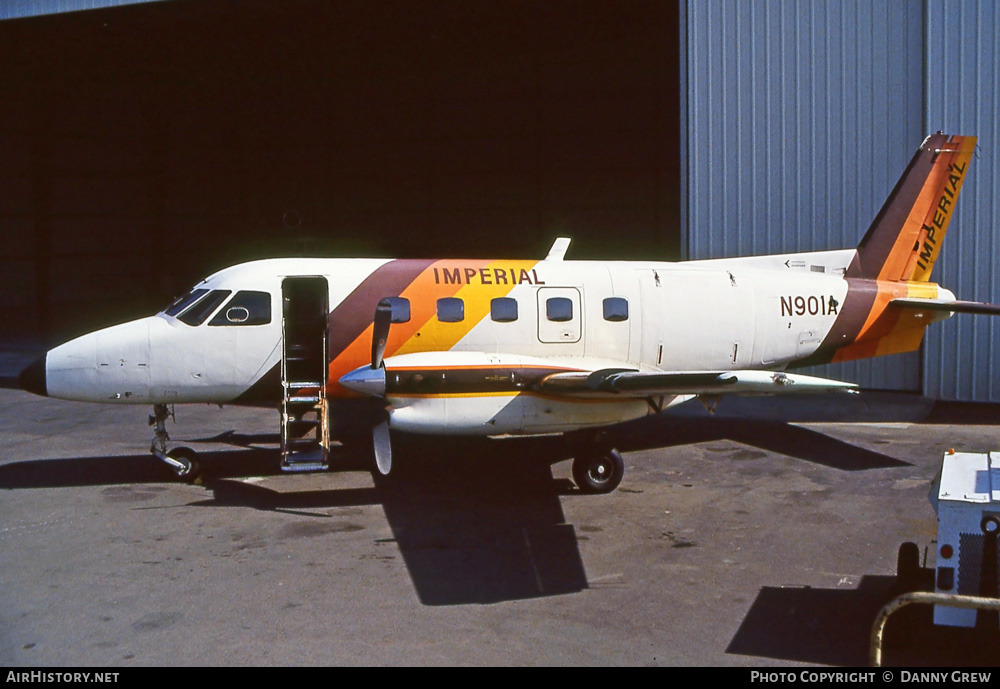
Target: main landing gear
<point>598,467</point>
<point>183,460</point>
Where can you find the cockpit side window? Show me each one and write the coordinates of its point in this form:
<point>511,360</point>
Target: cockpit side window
<point>202,309</point>
<point>246,308</point>
<point>185,301</point>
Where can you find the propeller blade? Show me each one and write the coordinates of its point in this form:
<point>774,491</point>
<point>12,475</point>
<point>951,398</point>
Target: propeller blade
<point>380,331</point>
<point>372,382</point>
<point>383,448</point>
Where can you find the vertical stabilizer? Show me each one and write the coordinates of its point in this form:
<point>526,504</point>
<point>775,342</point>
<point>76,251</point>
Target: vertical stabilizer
<point>905,238</point>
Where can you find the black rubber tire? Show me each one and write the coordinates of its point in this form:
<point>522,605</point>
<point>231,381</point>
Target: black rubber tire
<point>598,471</point>
<point>186,454</point>
<point>908,566</point>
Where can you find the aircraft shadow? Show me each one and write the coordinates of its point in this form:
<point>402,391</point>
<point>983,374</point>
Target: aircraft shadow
<point>144,468</point>
<point>772,436</point>
<point>964,414</point>
<point>481,523</point>
<point>476,521</point>
<point>833,627</point>
<point>230,493</point>
<point>238,439</point>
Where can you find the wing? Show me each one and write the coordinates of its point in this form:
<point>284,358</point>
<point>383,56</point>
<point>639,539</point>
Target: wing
<point>632,383</point>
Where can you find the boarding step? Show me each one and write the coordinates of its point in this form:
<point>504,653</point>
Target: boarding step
<point>299,427</point>
<point>303,384</point>
<point>313,459</point>
<point>299,353</point>
<point>303,399</point>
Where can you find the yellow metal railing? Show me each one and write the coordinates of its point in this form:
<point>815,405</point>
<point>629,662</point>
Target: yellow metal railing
<point>926,598</point>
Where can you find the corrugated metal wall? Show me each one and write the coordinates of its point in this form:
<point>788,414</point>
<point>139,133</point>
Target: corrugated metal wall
<point>800,119</point>
<point>963,96</point>
<point>16,9</point>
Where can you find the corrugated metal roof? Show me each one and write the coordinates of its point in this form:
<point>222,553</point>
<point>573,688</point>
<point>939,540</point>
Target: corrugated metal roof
<point>963,96</point>
<point>19,9</point>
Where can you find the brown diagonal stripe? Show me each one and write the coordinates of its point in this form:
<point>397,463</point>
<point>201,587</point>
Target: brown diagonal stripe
<point>357,311</point>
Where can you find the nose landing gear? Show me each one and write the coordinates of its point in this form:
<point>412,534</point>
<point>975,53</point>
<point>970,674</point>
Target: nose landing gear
<point>183,460</point>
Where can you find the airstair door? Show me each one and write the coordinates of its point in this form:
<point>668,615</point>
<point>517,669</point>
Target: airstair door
<point>305,428</point>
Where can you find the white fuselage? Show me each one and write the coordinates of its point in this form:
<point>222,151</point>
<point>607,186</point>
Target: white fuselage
<point>757,313</point>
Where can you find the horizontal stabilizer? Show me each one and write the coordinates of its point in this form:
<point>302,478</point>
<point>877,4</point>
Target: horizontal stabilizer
<point>632,383</point>
<point>979,307</point>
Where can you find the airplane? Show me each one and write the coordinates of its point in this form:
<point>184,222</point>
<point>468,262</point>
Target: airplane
<point>500,348</point>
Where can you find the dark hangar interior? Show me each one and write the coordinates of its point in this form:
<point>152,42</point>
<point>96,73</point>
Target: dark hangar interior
<point>145,146</point>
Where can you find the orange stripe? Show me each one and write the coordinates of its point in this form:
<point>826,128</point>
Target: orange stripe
<point>423,332</point>
<point>487,366</point>
<point>890,331</point>
<point>945,193</point>
<point>903,249</point>
<point>912,254</point>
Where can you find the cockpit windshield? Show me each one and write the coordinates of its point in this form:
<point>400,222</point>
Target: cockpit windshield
<point>246,308</point>
<point>185,301</point>
<point>204,307</point>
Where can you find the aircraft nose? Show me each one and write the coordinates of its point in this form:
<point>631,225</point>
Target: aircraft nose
<point>32,378</point>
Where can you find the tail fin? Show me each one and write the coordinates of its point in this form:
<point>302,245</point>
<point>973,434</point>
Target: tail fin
<point>905,238</point>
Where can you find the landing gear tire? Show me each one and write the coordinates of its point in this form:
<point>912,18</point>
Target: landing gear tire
<point>908,567</point>
<point>188,457</point>
<point>598,472</point>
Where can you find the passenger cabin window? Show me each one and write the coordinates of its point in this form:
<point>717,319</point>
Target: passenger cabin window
<point>202,309</point>
<point>616,309</point>
<point>185,301</point>
<point>246,308</point>
<point>559,309</point>
<point>450,310</point>
<point>503,309</point>
<point>400,309</point>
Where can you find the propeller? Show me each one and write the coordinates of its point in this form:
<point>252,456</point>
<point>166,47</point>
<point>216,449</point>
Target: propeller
<point>380,433</point>
<point>371,381</point>
<point>380,331</point>
<point>383,447</point>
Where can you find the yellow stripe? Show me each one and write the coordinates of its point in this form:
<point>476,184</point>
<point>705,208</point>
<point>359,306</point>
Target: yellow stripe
<point>437,336</point>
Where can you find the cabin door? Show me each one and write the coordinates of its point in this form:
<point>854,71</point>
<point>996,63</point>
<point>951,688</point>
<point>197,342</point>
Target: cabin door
<point>305,426</point>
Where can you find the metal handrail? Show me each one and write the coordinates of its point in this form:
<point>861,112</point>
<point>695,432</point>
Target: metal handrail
<point>925,597</point>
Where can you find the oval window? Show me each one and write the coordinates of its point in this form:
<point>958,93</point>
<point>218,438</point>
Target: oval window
<point>238,314</point>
